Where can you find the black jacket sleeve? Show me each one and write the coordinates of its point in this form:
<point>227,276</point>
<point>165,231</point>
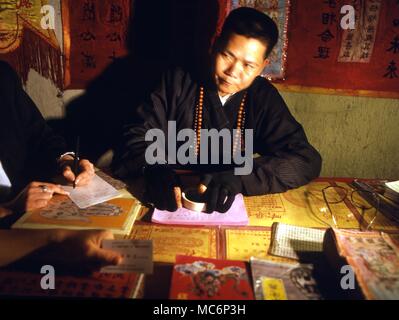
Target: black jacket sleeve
<point>287,160</point>
<point>36,146</point>
<point>153,113</point>
<point>167,103</point>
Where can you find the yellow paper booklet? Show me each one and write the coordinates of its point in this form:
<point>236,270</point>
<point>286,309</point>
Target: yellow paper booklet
<point>170,241</point>
<point>117,215</point>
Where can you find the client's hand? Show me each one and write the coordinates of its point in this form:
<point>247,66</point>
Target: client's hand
<point>36,195</point>
<point>80,250</point>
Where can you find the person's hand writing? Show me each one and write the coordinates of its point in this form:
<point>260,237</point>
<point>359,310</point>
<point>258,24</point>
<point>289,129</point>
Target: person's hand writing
<point>86,171</point>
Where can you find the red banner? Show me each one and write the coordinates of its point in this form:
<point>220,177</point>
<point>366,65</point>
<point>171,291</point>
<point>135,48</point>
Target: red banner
<point>322,56</point>
<point>94,35</point>
<point>317,44</point>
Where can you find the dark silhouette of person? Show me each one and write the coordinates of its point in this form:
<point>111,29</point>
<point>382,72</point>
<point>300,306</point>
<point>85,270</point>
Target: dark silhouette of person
<point>162,34</point>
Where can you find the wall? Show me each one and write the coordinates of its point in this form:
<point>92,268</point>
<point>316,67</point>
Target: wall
<point>356,136</point>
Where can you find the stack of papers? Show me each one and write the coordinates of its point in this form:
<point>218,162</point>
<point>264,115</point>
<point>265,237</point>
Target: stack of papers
<point>292,241</point>
<point>392,191</point>
<point>95,206</point>
<point>97,191</point>
<point>235,216</point>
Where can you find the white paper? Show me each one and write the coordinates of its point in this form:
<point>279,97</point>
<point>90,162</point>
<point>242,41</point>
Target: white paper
<point>136,254</point>
<point>97,191</point>
<point>4,180</point>
<point>394,185</point>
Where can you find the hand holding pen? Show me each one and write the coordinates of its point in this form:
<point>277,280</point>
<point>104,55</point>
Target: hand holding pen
<point>76,162</point>
<point>75,170</point>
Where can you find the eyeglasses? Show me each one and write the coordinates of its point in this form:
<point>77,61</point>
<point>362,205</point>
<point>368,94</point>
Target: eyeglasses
<point>367,201</point>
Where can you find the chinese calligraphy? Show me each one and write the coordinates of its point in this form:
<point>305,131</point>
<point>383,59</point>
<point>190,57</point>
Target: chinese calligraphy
<point>102,33</point>
<point>392,68</point>
<point>358,43</point>
<point>89,11</point>
<point>328,19</point>
<point>323,53</point>
<point>395,45</point>
<point>393,49</point>
<point>116,13</point>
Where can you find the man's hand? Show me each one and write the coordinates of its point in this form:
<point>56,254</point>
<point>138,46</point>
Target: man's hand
<point>221,189</point>
<point>86,170</point>
<point>36,195</point>
<point>162,187</point>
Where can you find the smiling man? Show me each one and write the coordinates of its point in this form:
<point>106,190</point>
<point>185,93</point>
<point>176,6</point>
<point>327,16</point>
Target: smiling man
<point>233,97</point>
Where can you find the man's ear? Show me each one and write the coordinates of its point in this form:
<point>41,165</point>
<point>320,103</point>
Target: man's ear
<point>266,62</point>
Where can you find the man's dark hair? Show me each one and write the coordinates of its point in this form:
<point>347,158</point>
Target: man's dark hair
<point>250,23</point>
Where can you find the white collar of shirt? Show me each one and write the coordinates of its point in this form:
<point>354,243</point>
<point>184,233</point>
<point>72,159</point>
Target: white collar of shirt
<point>224,99</point>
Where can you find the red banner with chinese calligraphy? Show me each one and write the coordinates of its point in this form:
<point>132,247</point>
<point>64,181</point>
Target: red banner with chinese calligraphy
<point>95,31</point>
<point>322,57</point>
<point>94,35</point>
<point>325,58</point>
<point>27,40</point>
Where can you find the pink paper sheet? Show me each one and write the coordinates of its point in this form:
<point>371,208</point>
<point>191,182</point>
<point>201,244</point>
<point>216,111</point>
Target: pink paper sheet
<point>235,216</point>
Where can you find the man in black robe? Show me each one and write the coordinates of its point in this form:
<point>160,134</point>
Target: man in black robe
<point>230,96</point>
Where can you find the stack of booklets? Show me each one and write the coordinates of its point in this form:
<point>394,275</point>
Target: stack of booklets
<point>373,257</point>
<point>388,197</point>
<point>99,285</point>
<point>236,216</point>
<point>87,208</point>
<point>295,242</point>
<point>282,281</point>
<point>117,215</point>
<point>210,279</point>
<point>392,191</point>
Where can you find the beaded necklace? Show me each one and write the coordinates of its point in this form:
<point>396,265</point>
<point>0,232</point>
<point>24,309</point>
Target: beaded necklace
<point>240,122</point>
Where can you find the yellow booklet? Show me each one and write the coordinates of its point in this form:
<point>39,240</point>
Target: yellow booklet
<point>117,215</point>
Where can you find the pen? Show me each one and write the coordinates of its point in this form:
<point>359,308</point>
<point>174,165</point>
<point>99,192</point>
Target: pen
<point>76,162</point>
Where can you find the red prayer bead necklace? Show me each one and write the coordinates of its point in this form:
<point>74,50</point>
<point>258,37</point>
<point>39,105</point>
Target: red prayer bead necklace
<point>198,122</point>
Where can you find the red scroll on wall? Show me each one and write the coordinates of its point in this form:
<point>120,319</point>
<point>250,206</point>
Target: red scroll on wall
<point>321,56</point>
<point>94,35</point>
<point>324,57</point>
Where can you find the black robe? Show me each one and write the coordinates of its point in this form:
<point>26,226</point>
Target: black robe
<point>286,161</point>
<point>28,147</point>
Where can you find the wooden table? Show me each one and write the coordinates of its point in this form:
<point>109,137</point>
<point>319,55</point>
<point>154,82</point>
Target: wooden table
<point>304,206</point>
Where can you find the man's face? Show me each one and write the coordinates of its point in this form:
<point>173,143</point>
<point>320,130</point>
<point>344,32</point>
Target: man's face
<point>239,63</point>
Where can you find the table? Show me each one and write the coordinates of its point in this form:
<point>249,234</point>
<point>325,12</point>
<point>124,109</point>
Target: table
<point>304,206</point>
